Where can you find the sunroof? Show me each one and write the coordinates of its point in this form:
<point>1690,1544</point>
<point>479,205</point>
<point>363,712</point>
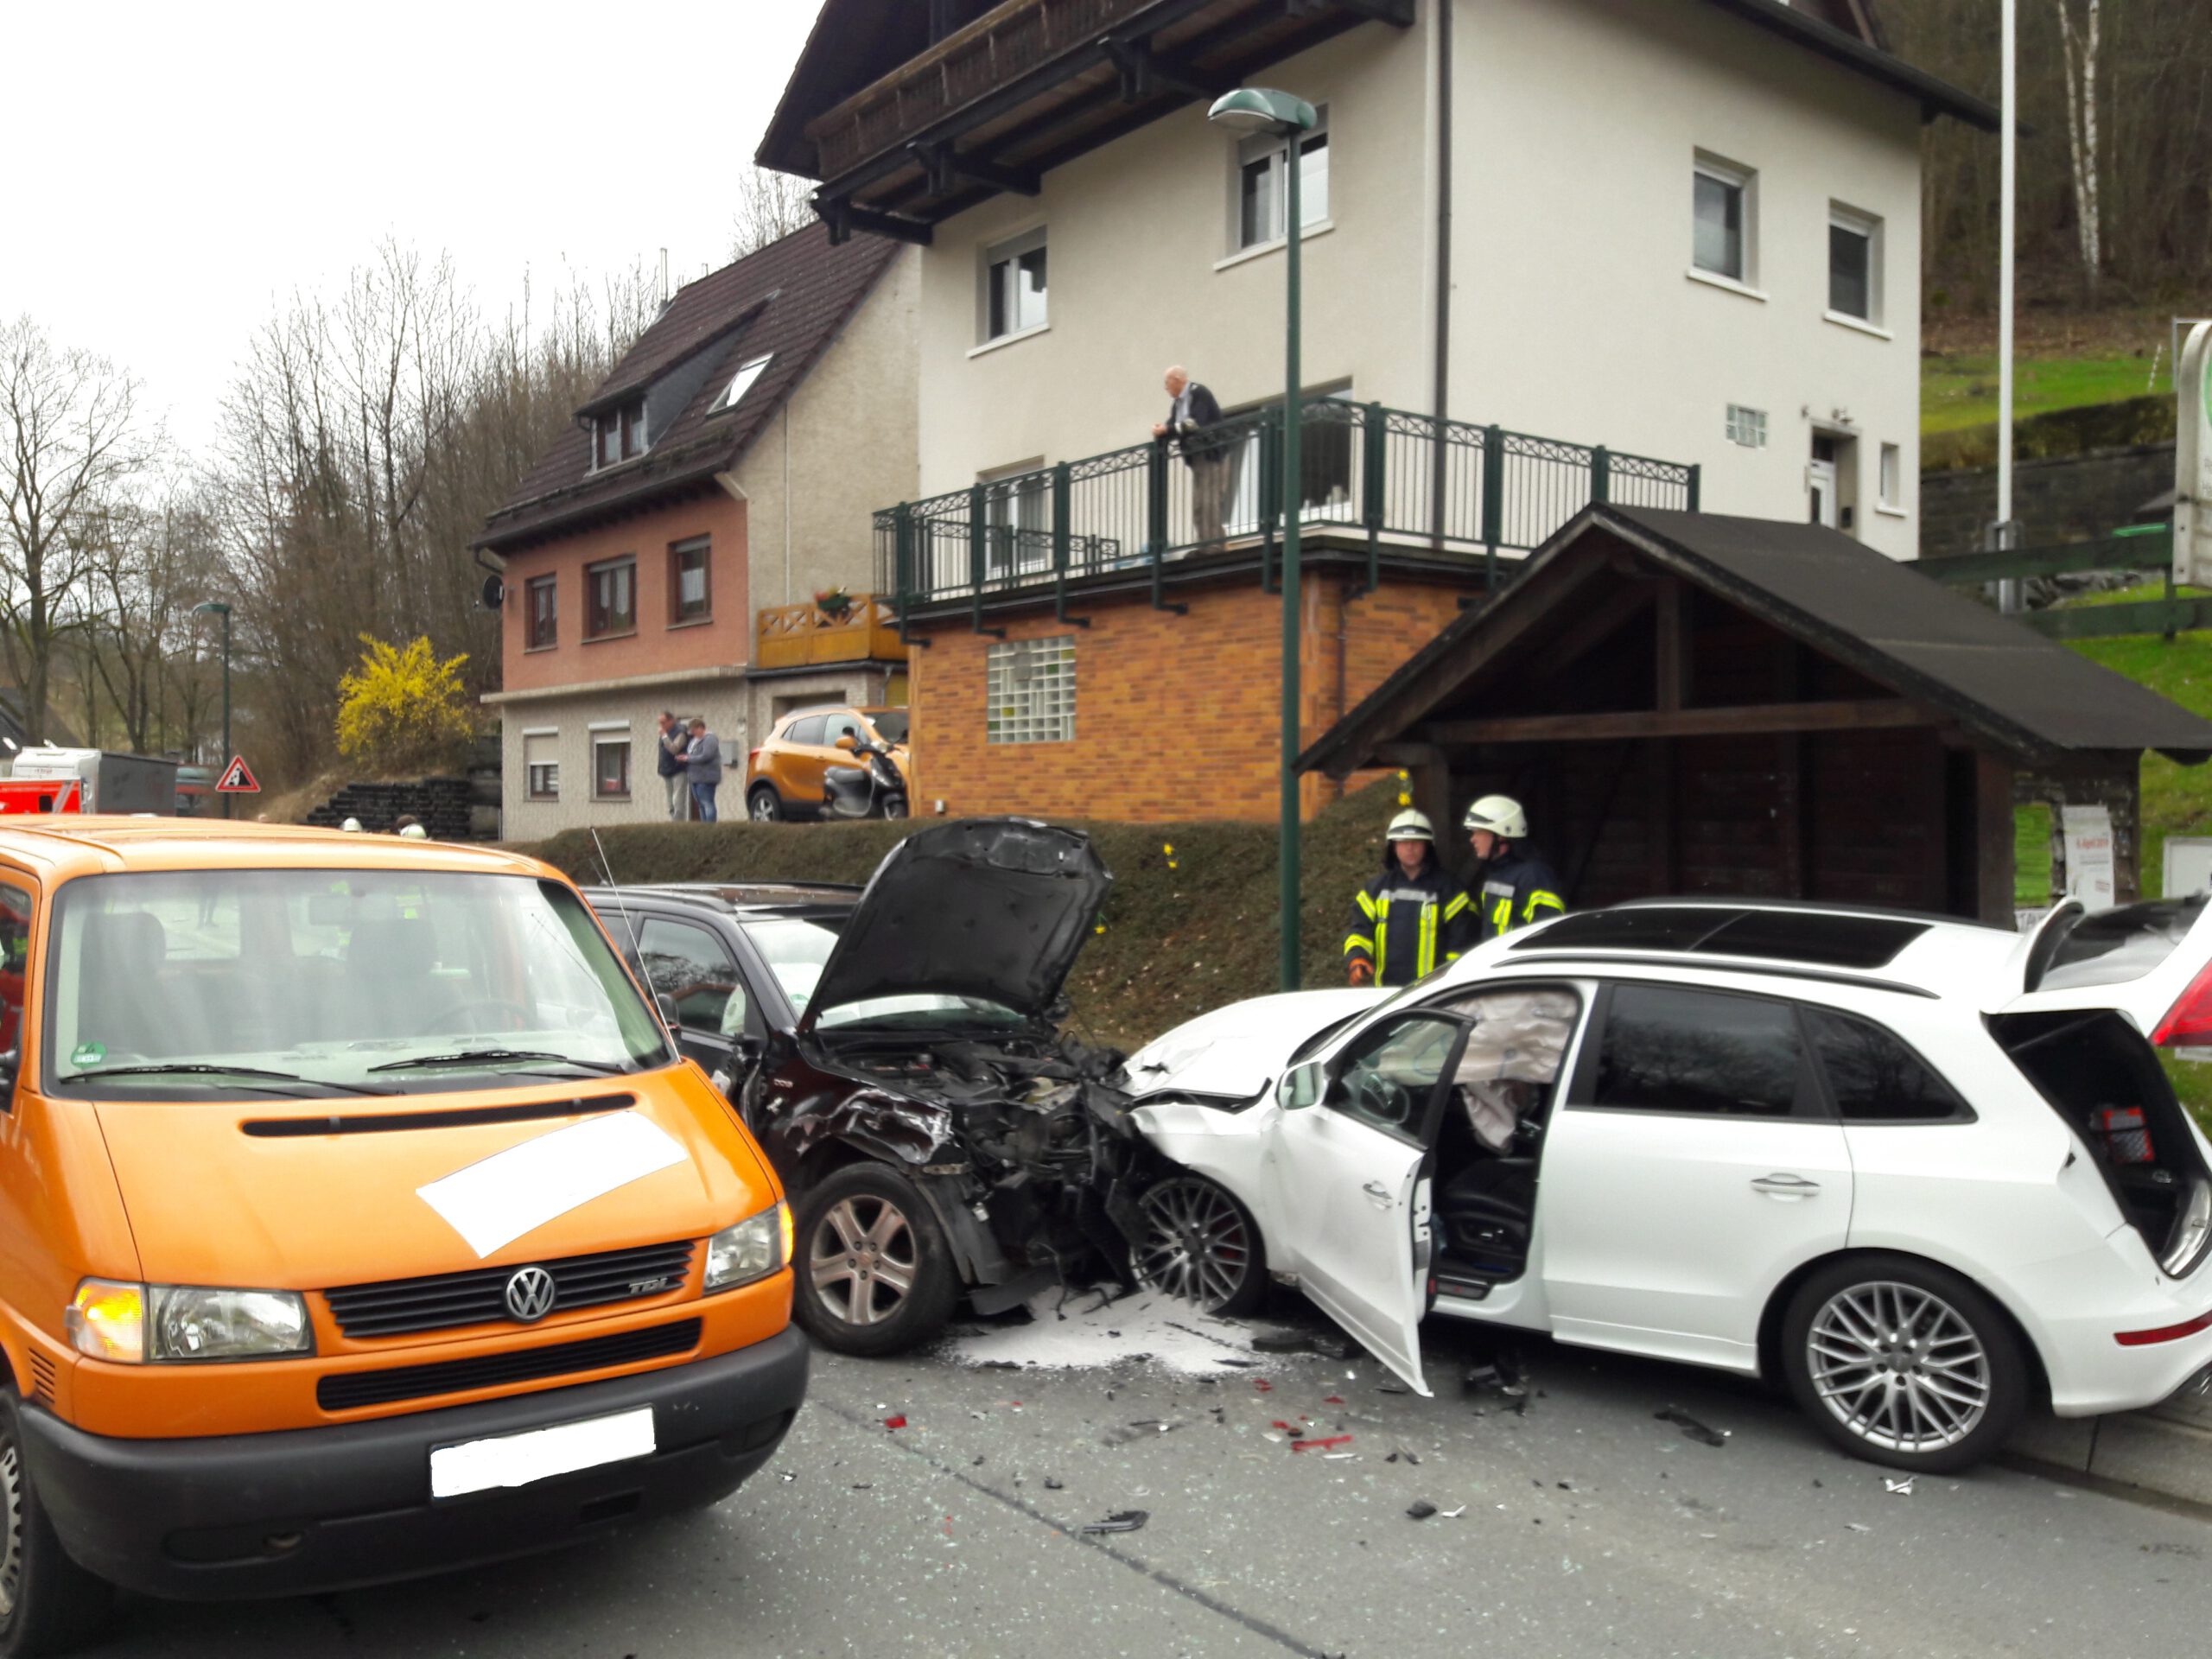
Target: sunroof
<point>1824,937</point>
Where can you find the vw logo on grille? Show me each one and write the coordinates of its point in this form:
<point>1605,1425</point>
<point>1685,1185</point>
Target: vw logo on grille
<point>529,1295</point>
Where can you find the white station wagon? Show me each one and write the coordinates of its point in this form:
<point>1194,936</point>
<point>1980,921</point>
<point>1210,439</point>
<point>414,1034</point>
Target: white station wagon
<point>1924,1170</point>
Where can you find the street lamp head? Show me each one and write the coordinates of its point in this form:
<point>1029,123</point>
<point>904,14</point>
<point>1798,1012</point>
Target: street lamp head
<point>1261,109</point>
<point>211,608</point>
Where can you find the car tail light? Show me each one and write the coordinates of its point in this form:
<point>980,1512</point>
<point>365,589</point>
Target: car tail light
<point>2189,1019</point>
<point>752,759</point>
<point>2163,1333</point>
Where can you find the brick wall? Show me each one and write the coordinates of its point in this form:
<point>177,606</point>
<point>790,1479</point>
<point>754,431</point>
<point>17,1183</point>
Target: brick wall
<point>2069,498</point>
<point>1176,716</point>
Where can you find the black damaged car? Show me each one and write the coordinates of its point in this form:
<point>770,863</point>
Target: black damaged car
<point>899,1055</point>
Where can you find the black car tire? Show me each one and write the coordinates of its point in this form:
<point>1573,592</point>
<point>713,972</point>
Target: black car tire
<point>48,1603</point>
<point>858,1221</point>
<point>1865,1338</point>
<point>764,805</point>
<point>1186,1213</point>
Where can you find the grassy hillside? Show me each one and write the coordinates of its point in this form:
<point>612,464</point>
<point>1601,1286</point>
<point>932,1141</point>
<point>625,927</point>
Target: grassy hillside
<point>1960,391</point>
<point>1183,930</point>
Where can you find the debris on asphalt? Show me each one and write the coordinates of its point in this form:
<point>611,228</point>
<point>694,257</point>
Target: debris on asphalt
<point>1280,1342</point>
<point>1054,1484</point>
<point>1333,1400</point>
<point>1392,1388</point>
<point>1855,1527</point>
<point>1408,1455</point>
<point>1122,1520</point>
<point>1454,1514</point>
<point>1900,1488</point>
<point>1324,1445</point>
<point>895,1422</point>
<point>1149,1327</point>
<point>1692,1429</point>
<point>1421,1509</point>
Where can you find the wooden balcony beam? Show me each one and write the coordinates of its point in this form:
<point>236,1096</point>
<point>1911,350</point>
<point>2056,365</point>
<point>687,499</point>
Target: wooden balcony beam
<point>945,167</point>
<point>1146,76</point>
<point>1871,714</point>
<point>844,218</point>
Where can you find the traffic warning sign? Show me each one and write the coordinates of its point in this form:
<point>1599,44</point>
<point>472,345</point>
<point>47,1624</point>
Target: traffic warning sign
<point>237,779</point>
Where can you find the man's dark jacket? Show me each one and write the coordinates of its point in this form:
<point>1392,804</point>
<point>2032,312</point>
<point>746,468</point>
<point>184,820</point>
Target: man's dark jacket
<point>1514,889</point>
<point>671,764</point>
<point>1199,439</point>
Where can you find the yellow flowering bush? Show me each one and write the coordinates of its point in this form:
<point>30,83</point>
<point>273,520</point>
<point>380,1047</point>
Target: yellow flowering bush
<point>401,709</point>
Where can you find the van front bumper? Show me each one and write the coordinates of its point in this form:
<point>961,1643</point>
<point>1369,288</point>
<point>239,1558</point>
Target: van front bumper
<point>300,1512</point>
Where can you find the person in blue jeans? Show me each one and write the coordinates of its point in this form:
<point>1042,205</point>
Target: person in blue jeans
<point>702,764</point>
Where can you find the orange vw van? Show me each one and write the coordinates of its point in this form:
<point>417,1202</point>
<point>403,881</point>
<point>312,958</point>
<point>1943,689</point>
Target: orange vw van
<point>359,1221</point>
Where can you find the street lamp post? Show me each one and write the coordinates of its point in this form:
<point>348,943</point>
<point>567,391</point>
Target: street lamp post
<point>216,607</point>
<point>1256,109</point>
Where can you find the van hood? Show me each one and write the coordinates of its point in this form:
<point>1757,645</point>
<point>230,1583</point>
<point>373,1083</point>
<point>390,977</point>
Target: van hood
<point>996,908</point>
<point>305,1195</point>
<point>1234,1053</point>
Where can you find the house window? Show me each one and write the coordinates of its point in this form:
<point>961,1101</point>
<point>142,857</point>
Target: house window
<point>541,770</point>
<point>1722,208</point>
<point>1030,685</point>
<point>733,393</point>
<point>1014,286</point>
<point>1892,479</point>
<point>1855,265</point>
<point>1017,510</point>
<point>620,434</point>
<point>543,594</point>
<point>690,587</point>
<point>1263,184</point>
<point>610,766</point>
<point>611,592</point>
<point>1747,426</point>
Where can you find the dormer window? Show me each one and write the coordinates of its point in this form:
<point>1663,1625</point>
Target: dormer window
<point>620,434</point>
<point>740,383</point>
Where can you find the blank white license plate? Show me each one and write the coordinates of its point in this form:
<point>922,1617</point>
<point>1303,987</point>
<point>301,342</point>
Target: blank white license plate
<point>540,1453</point>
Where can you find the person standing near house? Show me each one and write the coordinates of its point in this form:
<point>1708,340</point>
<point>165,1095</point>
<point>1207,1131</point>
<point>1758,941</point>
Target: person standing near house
<point>702,764</point>
<point>1193,420</point>
<point>1413,916</point>
<point>1514,886</point>
<point>673,741</point>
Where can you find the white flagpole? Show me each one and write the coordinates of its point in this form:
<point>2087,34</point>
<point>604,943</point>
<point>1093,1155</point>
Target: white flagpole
<point>2008,150</point>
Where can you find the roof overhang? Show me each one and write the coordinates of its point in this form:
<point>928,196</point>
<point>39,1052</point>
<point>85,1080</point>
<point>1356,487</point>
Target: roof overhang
<point>1937,97</point>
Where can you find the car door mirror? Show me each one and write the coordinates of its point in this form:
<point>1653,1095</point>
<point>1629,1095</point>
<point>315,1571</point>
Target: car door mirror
<point>1302,1086</point>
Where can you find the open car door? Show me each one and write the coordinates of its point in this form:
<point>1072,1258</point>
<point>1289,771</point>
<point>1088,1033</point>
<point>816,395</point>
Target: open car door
<point>1351,1178</point>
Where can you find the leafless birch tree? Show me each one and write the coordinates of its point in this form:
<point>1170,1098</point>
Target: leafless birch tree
<point>2082,43</point>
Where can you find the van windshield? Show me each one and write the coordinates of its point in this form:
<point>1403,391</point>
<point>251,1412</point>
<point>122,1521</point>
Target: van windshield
<point>193,984</point>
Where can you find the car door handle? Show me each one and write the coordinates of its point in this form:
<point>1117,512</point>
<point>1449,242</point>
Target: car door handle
<point>1785,1186</point>
<point>1380,1193</point>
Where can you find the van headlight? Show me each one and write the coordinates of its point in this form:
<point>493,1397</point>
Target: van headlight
<point>753,1249</point>
<point>132,1323</point>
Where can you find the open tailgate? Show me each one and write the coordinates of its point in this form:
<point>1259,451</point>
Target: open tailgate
<point>2147,961</point>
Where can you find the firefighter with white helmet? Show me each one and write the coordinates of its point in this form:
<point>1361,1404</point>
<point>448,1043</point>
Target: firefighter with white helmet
<point>1413,917</point>
<point>1514,886</point>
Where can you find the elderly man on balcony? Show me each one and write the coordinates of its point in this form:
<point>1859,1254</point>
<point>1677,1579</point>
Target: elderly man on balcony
<point>1193,420</point>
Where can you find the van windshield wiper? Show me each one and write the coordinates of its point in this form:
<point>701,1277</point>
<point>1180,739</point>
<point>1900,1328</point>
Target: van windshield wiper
<point>495,1056</point>
<point>203,1069</point>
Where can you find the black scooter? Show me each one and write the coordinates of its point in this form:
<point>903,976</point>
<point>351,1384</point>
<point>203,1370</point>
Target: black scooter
<point>872,789</point>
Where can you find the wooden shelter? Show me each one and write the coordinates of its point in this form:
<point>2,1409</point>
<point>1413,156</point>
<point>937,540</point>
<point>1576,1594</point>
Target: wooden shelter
<point>1688,704</point>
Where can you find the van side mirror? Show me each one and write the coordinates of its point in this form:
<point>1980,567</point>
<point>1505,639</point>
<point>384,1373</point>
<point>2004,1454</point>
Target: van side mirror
<point>1302,1086</point>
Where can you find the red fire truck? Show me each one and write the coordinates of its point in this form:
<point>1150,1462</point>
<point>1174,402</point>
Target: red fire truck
<point>49,779</point>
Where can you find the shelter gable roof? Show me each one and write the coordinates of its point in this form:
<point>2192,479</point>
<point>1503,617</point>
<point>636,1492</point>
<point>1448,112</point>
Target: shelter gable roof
<point>787,302</point>
<point>1997,677</point>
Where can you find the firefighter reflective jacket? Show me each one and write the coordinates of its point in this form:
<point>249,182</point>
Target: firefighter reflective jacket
<point>1517,888</point>
<point>1407,925</point>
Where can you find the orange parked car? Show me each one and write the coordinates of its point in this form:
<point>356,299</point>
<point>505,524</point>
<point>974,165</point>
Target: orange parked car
<point>783,776</point>
<point>361,1222</point>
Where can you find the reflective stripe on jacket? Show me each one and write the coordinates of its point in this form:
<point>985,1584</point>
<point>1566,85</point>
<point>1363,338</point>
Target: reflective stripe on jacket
<point>1517,888</point>
<point>1406,925</point>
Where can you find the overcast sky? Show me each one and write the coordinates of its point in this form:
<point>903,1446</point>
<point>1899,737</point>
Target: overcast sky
<point>180,170</point>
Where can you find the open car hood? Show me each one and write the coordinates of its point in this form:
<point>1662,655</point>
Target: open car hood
<point>996,908</point>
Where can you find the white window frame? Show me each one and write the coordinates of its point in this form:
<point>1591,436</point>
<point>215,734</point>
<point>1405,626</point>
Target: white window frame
<point>1030,690</point>
<point>1869,225</point>
<point>1746,426</point>
<point>1018,520</point>
<point>550,735</point>
<point>602,734</point>
<point>1889,480</point>
<point>1274,148</point>
<point>1745,181</point>
<point>740,383</point>
<point>1007,254</point>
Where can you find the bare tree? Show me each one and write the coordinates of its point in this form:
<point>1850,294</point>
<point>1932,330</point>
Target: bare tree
<point>770,205</point>
<point>157,562</point>
<point>2081,43</point>
<point>74,441</point>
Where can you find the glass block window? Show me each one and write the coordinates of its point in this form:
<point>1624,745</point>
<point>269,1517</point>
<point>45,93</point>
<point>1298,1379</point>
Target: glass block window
<point>1031,686</point>
<point>1747,426</point>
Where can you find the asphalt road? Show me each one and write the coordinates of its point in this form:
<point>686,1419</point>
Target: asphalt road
<point>1589,1526</point>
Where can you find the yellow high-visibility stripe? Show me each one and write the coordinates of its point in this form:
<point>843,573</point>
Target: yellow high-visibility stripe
<point>1359,942</point>
<point>1540,897</point>
<point>1426,960</point>
<point>1459,902</point>
<point>1382,948</point>
<point>1365,904</point>
<point>1501,919</point>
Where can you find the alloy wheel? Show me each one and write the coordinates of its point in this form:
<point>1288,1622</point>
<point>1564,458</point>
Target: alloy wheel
<point>863,1259</point>
<point>1198,1244</point>
<point>11,1517</point>
<point>763,806</point>
<point>1898,1366</point>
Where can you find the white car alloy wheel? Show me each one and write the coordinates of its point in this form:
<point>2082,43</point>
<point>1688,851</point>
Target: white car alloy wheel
<point>1201,1245</point>
<point>1899,1367</point>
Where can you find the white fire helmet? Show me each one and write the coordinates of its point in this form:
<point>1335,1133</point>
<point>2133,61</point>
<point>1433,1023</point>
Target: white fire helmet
<point>352,826</point>
<point>1410,825</point>
<point>1499,814</point>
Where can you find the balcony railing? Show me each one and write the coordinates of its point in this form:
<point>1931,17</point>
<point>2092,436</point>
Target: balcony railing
<point>1390,479</point>
<point>802,635</point>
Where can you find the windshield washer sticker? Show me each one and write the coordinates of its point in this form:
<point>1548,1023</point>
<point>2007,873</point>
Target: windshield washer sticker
<point>87,1054</point>
<point>496,1200</point>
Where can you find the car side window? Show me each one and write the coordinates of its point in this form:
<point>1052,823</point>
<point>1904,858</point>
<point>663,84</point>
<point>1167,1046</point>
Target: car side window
<point>842,726</point>
<point>1874,1077</point>
<point>1700,1053</point>
<point>691,965</point>
<point>806,731</point>
<point>1388,1076</point>
<point>16,907</point>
